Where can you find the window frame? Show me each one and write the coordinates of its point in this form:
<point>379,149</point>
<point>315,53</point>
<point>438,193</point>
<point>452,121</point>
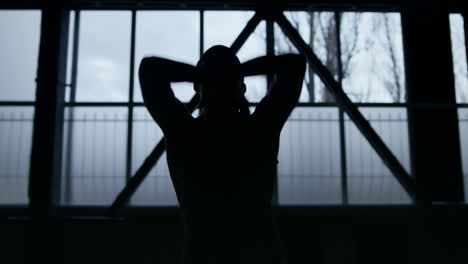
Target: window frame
<point>130,104</point>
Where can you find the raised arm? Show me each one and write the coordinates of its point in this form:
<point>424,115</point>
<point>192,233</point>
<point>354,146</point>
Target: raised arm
<point>155,75</point>
<point>283,95</point>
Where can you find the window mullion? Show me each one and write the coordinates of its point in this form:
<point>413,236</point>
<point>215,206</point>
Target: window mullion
<point>130,98</point>
<point>69,144</point>
<point>344,176</point>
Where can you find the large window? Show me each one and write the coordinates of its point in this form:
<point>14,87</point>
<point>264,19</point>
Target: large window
<point>109,133</point>
<point>18,65</point>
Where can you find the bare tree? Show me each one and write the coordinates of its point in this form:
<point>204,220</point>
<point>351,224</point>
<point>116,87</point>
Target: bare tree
<point>324,40</point>
<point>394,72</point>
<point>327,26</point>
<point>350,46</point>
<point>348,39</point>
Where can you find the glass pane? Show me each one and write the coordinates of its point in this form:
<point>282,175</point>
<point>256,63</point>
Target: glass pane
<point>223,27</point>
<point>104,56</point>
<point>463,123</point>
<point>319,31</point>
<point>94,155</point>
<point>309,170</point>
<point>157,189</point>
<point>459,57</point>
<point>15,140</point>
<point>173,35</point>
<point>19,49</point>
<point>372,57</point>
<point>369,179</point>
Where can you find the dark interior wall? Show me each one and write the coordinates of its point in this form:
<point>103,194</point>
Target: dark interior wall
<point>310,235</point>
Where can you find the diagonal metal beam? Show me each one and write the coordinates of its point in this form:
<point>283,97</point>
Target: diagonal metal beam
<point>135,181</point>
<point>246,32</point>
<point>346,105</point>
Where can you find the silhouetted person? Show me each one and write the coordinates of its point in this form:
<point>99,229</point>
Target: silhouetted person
<point>223,162</point>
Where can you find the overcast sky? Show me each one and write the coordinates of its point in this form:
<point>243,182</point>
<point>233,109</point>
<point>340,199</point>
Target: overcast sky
<point>18,54</point>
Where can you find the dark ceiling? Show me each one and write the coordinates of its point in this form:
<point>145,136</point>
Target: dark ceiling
<point>361,5</point>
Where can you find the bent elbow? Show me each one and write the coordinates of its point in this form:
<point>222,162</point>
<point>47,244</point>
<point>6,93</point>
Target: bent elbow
<point>147,62</point>
<point>148,68</point>
<point>143,68</point>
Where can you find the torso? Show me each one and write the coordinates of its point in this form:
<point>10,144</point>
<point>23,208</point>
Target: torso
<point>223,177</point>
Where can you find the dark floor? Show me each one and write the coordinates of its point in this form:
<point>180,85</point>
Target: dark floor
<point>395,234</point>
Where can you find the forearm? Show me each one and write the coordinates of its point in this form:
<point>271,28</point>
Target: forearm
<point>272,64</point>
<point>155,76</point>
<point>285,89</point>
<point>159,70</point>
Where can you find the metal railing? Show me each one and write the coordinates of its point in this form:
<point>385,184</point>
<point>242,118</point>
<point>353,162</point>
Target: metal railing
<point>308,170</point>
<point>15,148</point>
<point>299,149</point>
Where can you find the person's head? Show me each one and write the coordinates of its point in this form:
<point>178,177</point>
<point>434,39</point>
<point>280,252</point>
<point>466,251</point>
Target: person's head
<point>222,86</point>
